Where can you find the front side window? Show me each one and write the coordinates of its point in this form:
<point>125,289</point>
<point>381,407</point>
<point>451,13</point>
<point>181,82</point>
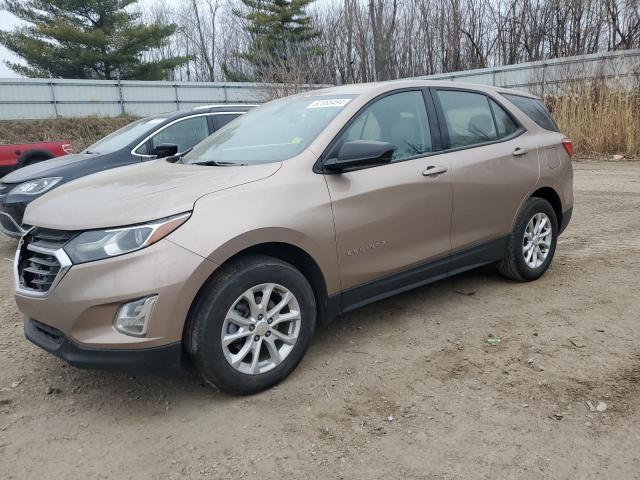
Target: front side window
<point>400,119</point>
<point>184,133</point>
<point>274,132</point>
<point>125,135</point>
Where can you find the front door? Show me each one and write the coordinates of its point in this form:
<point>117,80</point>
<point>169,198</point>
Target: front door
<point>395,217</point>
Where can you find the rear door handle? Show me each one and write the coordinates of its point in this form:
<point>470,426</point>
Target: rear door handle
<point>518,152</point>
<point>433,170</point>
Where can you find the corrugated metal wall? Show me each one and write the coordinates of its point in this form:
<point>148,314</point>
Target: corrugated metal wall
<point>25,98</point>
<point>29,98</point>
<point>551,76</point>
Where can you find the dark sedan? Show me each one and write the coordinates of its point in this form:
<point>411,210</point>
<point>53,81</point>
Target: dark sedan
<point>148,138</point>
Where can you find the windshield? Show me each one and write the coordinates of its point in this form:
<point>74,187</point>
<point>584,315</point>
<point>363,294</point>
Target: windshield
<point>126,135</point>
<point>274,132</point>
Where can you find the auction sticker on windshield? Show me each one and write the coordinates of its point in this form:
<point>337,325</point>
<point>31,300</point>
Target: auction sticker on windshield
<point>329,103</point>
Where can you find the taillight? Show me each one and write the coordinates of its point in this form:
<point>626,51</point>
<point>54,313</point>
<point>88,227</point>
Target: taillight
<point>67,148</point>
<point>568,146</point>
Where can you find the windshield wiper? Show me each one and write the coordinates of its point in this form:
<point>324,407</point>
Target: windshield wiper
<point>216,163</point>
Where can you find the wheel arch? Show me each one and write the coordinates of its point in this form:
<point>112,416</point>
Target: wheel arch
<point>36,153</point>
<point>286,252</point>
<point>551,196</point>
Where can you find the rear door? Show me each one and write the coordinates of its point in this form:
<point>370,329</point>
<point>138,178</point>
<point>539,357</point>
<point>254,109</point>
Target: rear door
<point>494,165</point>
<point>397,216</point>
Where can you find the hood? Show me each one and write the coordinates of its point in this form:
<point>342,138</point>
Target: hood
<point>136,194</point>
<point>55,167</point>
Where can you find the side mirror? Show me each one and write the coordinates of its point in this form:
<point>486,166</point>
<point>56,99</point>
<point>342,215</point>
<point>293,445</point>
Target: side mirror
<point>361,153</point>
<point>166,150</point>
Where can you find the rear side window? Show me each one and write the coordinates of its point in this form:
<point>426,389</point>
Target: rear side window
<point>535,110</point>
<point>221,119</point>
<point>504,123</point>
<point>468,118</point>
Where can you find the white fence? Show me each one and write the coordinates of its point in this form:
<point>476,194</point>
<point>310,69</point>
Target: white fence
<point>30,98</point>
<point>26,98</point>
<point>549,76</point>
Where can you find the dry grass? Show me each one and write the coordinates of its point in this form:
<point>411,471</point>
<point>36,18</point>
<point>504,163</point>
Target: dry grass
<point>600,120</point>
<point>82,132</point>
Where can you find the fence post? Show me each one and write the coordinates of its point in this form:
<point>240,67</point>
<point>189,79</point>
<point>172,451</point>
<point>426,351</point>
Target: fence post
<point>120,97</point>
<point>175,88</point>
<point>53,98</point>
<point>224,93</point>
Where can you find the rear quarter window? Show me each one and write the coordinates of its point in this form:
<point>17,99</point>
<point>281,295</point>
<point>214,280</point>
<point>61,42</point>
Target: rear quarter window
<point>535,110</point>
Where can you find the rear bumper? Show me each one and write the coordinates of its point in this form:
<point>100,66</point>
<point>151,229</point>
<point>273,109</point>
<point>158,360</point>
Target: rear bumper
<point>166,359</point>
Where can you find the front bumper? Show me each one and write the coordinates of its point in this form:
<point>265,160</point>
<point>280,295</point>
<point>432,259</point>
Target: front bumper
<point>81,308</point>
<point>166,359</point>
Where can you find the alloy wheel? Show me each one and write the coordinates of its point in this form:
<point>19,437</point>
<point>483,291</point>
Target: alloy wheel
<point>261,328</point>
<point>536,243</point>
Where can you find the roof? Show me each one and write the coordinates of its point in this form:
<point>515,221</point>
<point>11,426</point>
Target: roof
<point>226,105</point>
<point>381,87</point>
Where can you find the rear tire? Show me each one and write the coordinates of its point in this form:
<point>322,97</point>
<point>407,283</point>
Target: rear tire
<point>271,339</point>
<point>532,243</point>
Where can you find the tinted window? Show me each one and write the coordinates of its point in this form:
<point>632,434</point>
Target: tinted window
<point>504,123</point>
<point>273,132</point>
<point>184,133</point>
<point>220,120</point>
<point>400,119</point>
<point>535,110</point>
<point>468,118</point>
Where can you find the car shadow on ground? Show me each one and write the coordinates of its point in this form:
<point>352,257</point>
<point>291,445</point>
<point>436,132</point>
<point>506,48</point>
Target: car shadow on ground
<point>137,391</point>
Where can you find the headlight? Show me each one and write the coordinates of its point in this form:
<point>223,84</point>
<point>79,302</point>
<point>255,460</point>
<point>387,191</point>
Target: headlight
<point>35,187</point>
<point>99,244</point>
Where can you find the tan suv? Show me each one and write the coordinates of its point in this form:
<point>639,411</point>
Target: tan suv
<point>303,209</point>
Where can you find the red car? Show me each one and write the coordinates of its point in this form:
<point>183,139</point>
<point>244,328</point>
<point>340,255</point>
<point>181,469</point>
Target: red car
<point>20,155</point>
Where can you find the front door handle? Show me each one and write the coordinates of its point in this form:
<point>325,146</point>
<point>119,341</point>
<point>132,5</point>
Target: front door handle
<point>518,152</point>
<point>433,170</point>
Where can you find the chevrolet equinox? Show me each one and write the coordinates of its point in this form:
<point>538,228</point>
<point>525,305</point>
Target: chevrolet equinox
<point>304,208</point>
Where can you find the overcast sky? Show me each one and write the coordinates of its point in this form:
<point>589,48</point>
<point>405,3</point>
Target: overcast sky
<point>8,21</point>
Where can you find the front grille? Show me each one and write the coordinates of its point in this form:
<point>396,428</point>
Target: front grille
<point>42,260</point>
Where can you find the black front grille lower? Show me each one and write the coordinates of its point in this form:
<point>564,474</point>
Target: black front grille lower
<point>39,265</point>
<point>49,333</point>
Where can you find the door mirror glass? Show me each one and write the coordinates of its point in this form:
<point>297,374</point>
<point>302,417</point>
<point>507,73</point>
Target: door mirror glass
<point>166,150</point>
<point>361,153</point>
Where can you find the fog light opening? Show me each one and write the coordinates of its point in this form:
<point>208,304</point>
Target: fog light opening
<point>133,317</point>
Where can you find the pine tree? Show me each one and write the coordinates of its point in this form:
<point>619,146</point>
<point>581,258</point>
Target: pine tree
<point>280,30</point>
<point>97,39</point>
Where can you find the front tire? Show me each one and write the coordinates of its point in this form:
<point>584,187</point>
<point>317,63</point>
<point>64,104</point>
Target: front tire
<point>251,324</point>
<point>532,243</point>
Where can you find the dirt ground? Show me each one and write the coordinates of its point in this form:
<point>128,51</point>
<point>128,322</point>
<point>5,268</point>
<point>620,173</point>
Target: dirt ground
<point>405,388</point>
